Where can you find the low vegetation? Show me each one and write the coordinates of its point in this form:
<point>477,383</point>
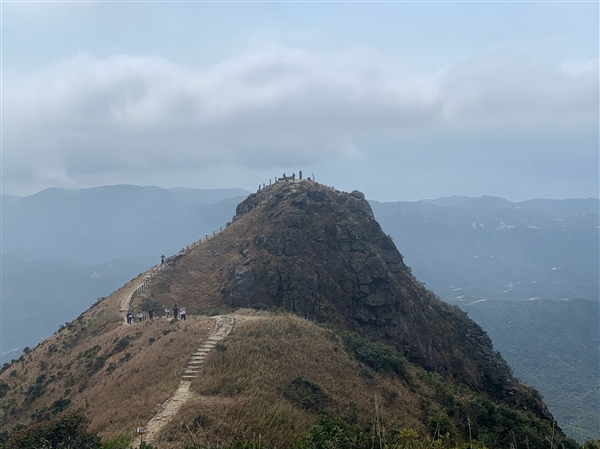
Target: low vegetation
<point>286,382</point>
<point>278,381</point>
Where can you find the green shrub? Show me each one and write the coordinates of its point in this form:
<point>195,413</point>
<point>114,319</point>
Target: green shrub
<point>3,389</point>
<point>120,442</point>
<point>307,395</point>
<point>379,356</point>
<point>65,431</point>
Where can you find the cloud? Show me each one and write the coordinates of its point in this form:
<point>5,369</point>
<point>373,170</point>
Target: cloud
<point>267,108</point>
<point>521,91</point>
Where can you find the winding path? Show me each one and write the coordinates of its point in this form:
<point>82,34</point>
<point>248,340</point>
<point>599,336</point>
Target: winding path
<point>167,411</point>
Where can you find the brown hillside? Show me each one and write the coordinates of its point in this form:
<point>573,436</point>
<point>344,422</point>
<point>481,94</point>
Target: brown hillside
<point>297,247</point>
<point>319,253</point>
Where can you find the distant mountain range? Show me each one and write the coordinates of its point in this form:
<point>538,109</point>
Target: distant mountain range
<point>64,248</point>
<point>489,247</point>
<point>84,243</point>
<point>91,226</point>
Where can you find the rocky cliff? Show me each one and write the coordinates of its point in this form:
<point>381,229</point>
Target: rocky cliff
<point>320,253</point>
<point>301,247</point>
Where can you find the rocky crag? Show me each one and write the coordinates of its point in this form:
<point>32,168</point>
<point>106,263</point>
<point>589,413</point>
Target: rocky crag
<point>320,253</point>
<point>300,247</point>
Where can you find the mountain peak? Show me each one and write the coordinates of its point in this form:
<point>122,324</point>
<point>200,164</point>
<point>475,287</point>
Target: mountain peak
<point>300,247</point>
<point>318,252</point>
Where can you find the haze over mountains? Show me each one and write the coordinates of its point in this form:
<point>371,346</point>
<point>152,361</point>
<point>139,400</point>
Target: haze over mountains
<point>84,243</point>
<point>489,247</point>
<point>297,248</point>
<point>65,248</point>
<point>81,244</point>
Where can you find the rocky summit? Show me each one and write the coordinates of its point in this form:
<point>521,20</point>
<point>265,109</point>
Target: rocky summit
<point>319,252</point>
<point>352,332</point>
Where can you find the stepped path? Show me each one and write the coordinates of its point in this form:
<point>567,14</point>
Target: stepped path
<point>129,295</point>
<point>125,303</point>
<point>223,326</point>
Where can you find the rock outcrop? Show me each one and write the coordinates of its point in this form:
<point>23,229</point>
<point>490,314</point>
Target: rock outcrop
<point>321,254</point>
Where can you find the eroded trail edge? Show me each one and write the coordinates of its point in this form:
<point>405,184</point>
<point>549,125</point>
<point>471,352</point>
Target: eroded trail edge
<point>167,411</point>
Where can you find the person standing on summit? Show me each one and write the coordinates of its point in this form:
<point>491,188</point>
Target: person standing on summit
<point>175,310</point>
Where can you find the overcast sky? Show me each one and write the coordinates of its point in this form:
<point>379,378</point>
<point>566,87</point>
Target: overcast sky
<point>402,101</point>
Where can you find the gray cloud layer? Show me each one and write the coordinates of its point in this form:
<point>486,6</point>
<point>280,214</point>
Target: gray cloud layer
<point>269,108</point>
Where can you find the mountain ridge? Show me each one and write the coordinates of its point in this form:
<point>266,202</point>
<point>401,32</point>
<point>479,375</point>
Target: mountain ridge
<point>299,247</point>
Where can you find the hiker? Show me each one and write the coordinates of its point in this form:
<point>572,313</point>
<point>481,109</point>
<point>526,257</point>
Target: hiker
<point>140,316</point>
<point>167,311</point>
<point>151,314</point>
<point>129,316</point>
<point>175,310</point>
<point>182,313</point>
<point>162,259</point>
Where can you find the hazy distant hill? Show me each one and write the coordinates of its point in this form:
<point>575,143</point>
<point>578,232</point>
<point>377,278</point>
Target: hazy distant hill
<point>552,344</point>
<point>492,248</point>
<point>64,248</point>
<point>391,355</point>
<point>88,226</point>
<point>39,296</point>
<point>459,246</point>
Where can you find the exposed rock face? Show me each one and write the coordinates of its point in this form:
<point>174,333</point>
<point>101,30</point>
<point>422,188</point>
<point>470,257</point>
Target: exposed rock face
<point>320,253</point>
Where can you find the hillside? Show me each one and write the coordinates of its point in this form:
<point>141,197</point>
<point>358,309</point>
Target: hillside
<point>84,243</point>
<point>319,253</point>
<point>267,378</point>
<point>302,248</point>
<point>552,344</point>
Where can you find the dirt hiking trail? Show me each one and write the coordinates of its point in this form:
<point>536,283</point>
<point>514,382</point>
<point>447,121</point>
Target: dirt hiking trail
<point>167,411</point>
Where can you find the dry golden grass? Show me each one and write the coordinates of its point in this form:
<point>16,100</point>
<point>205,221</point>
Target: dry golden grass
<point>128,382</point>
<point>240,390</point>
<point>196,279</point>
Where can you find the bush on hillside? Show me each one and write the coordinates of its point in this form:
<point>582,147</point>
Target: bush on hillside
<point>65,431</point>
<point>379,356</point>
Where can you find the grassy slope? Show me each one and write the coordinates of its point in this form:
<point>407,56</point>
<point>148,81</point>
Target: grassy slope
<point>250,388</point>
<point>116,374</point>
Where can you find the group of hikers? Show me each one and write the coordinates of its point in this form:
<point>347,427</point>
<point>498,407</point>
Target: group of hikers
<point>176,311</point>
<point>140,316</point>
